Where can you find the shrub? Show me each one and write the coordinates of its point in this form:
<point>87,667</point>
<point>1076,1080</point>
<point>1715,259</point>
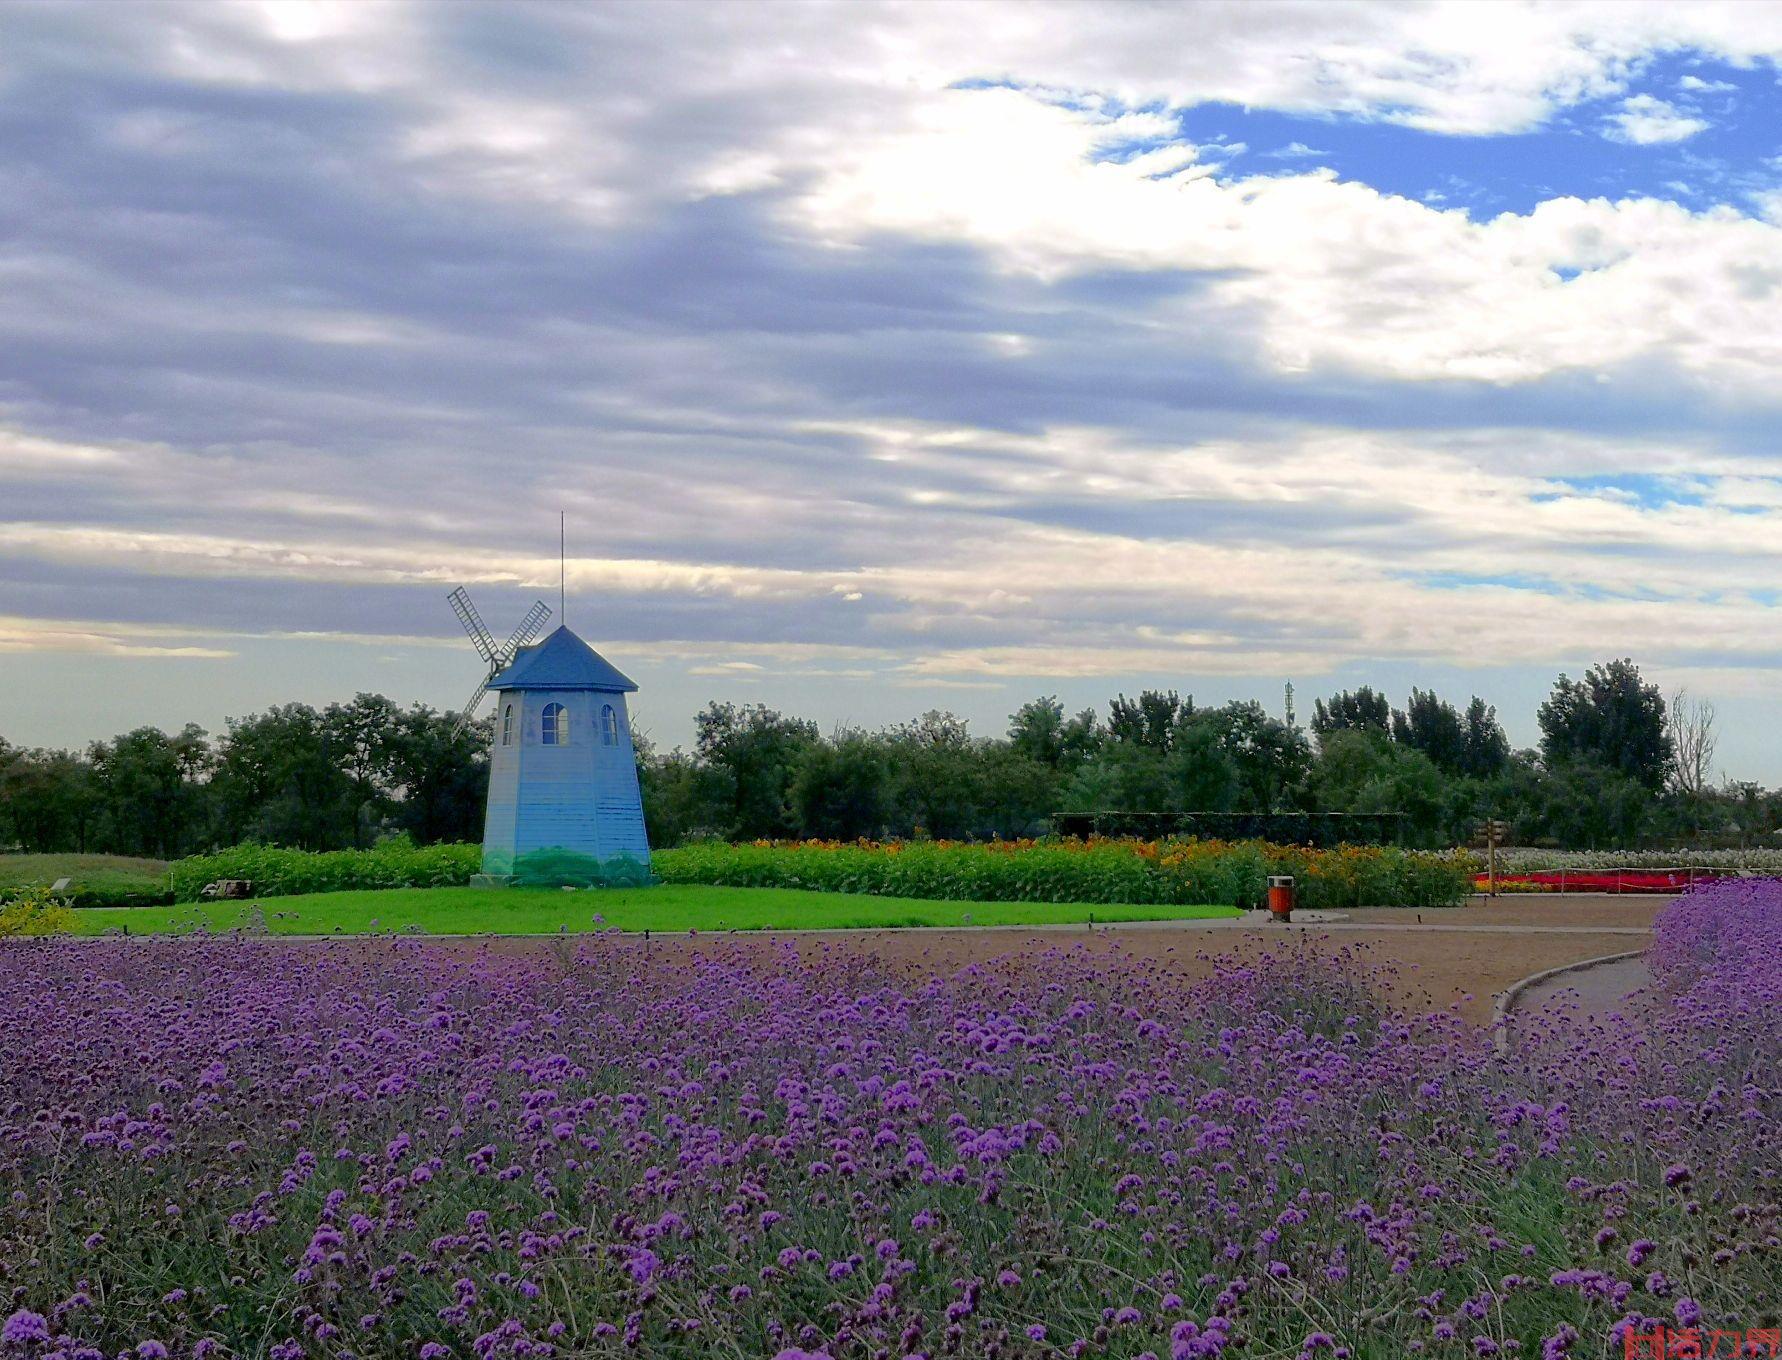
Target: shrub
<point>1096,870</point>
<point>275,872</point>
<point>35,911</point>
<point>82,895</point>
<point>559,868</point>
<point>1216,873</point>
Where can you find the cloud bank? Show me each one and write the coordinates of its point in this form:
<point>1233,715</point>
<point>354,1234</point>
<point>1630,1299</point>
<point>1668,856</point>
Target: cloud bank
<point>911,344</point>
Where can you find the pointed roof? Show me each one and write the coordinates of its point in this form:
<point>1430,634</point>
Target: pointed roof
<point>561,661</point>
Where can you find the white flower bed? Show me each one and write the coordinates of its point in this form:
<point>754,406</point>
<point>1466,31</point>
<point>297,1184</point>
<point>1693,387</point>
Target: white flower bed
<point>1522,861</point>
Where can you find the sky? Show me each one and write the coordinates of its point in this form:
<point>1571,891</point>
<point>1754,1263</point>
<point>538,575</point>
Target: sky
<point>889,356</point>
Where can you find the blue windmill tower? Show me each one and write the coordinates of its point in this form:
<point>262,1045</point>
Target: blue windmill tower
<point>564,803</point>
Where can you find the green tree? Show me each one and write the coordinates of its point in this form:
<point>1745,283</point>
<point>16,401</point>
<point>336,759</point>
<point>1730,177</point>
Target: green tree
<point>684,798</point>
<point>1149,720</point>
<point>1202,772</point>
<point>1123,776</point>
<point>935,785</point>
<point>1586,805</point>
<point>759,749</point>
<point>1433,726</point>
<point>150,790</point>
<point>1083,736</point>
<point>435,774</point>
<point>1268,758</point>
<point>48,801</point>
<point>841,788</point>
<point>1364,709</point>
<point>1485,748</point>
<point>1016,794</point>
<point>359,738</point>
<point>1610,718</point>
<point>1361,771</point>
<point>1036,730</point>
<point>279,781</point>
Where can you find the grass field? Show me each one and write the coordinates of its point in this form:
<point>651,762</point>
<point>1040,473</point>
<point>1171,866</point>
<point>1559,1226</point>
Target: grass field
<point>89,871</point>
<point>670,907</point>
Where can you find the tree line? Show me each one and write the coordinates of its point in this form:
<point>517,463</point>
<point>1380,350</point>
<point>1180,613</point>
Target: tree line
<point>334,778</point>
<point>1618,765</point>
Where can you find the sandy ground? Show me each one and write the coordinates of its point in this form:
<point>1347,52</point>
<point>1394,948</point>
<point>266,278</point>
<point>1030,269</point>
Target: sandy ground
<point>1573,910</point>
<point>1458,958</point>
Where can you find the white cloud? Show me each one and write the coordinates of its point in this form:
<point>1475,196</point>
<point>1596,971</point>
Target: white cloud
<point>1294,553</point>
<point>1646,120</point>
<point>815,342</point>
<point>20,635</point>
<point>1295,151</point>
<point>647,104</point>
<point>1338,273</point>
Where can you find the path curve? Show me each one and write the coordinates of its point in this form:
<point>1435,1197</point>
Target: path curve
<point>1593,987</point>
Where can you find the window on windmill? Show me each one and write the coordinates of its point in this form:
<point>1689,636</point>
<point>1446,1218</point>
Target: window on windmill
<point>556,725</point>
<point>507,725</point>
<point>609,726</point>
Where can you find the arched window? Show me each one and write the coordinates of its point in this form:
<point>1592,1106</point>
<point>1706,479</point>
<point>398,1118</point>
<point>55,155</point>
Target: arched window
<point>507,725</point>
<point>609,727</point>
<point>556,725</point>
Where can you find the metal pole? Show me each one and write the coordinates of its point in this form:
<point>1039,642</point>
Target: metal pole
<point>562,566</point>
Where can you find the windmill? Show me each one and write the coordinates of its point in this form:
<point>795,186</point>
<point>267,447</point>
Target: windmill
<point>496,658</point>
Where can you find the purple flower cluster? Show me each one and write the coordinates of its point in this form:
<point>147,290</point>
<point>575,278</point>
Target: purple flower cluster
<point>232,1148</point>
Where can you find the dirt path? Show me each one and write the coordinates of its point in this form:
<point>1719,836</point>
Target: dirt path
<point>1575,911</point>
<point>1455,958</point>
<point>1459,958</point>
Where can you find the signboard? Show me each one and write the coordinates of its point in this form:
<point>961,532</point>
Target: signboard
<point>1491,834</point>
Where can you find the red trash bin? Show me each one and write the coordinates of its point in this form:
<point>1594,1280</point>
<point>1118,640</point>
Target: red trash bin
<point>1280,896</point>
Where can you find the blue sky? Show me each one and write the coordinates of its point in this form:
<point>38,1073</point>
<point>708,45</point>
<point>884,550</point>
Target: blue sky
<point>889,357</point>
<point>1724,120</point>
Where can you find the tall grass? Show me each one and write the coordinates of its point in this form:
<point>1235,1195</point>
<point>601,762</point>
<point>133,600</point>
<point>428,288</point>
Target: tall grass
<point>1171,872</point>
<point>277,872</point>
<point>1216,873</point>
<point>94,880</point>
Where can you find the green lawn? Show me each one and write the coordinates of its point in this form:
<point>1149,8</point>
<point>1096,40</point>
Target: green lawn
<point>88,871</point>
<point>669,907</point>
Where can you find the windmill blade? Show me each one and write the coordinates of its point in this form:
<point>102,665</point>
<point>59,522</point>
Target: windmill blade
<point>467,714</point>
<point>529,628</point>
<point>480,635</point>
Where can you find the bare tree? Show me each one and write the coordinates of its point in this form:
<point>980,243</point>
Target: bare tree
<point>1691,727</point>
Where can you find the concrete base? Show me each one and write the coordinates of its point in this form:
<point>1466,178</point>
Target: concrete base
<point>491,880</point>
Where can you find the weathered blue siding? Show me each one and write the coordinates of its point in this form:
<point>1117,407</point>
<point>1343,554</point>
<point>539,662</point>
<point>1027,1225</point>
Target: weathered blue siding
<point>581,796</point>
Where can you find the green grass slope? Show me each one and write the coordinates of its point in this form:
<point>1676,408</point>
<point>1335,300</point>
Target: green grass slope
<point>92,871</point>
<point>94,880</point>
<point>668,908</point>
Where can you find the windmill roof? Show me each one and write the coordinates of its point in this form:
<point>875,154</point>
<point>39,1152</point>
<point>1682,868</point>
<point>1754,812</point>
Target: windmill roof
<point>561,661</point>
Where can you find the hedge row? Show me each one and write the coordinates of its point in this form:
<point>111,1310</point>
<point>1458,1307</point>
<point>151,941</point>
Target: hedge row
<point>103,895</point>
<point>280,873</point>
<point>1212,872</point>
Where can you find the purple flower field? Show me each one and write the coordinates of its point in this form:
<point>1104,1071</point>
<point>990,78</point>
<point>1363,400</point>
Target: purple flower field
<point>235,1148</point>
